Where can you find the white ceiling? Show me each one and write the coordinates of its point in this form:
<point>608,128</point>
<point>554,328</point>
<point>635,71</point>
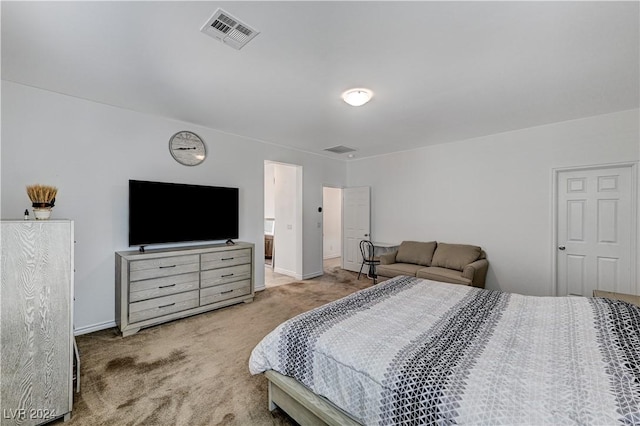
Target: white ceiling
<point>440,71</point>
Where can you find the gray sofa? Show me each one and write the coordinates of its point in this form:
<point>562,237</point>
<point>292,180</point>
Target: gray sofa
<point>449,263</point>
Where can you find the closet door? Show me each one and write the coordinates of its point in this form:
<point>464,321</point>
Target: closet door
<point>595,227</point>
<point>36,295</point>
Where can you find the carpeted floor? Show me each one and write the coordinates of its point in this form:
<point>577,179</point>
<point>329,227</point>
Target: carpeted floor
<point>194,371</point>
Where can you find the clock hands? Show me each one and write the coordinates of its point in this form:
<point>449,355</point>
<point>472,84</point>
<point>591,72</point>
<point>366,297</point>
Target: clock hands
<point>184,148</point>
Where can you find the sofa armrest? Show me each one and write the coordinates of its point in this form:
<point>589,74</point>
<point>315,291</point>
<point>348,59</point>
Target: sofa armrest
<point>388,258</point>
<point>476,272</point>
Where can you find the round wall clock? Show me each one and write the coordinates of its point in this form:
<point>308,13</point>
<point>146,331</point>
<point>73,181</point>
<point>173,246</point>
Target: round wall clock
<point>187,148</point>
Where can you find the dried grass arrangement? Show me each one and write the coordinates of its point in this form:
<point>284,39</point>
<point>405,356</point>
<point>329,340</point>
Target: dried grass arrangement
<point>42,195</point>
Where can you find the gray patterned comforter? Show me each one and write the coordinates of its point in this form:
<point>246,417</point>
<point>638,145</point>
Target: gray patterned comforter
<point>412,351</point>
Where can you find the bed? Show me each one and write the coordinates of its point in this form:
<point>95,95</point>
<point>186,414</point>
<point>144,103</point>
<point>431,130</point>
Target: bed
<point>414,351</point>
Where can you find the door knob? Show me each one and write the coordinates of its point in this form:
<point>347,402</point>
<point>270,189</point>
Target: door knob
<point>366,235</point>
<point>561,247</point>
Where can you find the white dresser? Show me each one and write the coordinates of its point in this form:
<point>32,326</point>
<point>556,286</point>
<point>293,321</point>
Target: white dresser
<point>163,285</point>
<point>36,297</point>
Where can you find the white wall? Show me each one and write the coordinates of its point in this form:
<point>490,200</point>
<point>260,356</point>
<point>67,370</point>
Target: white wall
<point>332,222</point>
<point>90,151</point>
<point>493,191</point>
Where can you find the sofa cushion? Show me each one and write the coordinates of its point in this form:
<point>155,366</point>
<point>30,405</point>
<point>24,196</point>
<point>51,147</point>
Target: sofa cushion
<point>455,256</point>
<point>388,258</point>
<point>416,252</point>
<point>396,269</point>
<point>442,274</point>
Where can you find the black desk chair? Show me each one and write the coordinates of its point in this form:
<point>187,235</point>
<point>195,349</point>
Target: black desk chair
<point>366,250</point>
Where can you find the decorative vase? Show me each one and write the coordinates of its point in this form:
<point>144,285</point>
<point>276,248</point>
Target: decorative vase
<point>42,213</point>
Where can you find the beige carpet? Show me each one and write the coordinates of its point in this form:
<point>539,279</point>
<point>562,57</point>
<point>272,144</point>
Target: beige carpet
<point>194,371</point>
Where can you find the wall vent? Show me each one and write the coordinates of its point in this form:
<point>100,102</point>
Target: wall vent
<point>340,149</point>
<point>229,29</point>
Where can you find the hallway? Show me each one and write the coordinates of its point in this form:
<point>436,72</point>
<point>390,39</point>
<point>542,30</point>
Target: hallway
<point>272,279</point>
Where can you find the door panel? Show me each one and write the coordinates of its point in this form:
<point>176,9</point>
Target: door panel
<point>608,221</point>
<point>356,204</point>
<point>575,220</point>
<point>608,268</point>
<point>575,274</point>
<point>595,224</point>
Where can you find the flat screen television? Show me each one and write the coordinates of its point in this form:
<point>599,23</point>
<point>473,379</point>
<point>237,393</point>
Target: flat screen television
<point>161,212</point>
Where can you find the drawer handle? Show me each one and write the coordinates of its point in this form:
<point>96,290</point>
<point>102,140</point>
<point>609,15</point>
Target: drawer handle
<point>164,267</point>
<point>167,286</point>
<point>224,292</point>
<point>227,258</point>
<point>228,275</point>
<point>166,306</point>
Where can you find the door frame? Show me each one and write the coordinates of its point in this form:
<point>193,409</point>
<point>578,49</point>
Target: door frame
<point>633,165</point>
<point>341,218</point>
<point>298,272</point>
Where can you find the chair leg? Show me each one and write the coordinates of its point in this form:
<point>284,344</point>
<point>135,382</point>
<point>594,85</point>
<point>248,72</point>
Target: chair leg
<point>361,265</point>
<point>372,273</point>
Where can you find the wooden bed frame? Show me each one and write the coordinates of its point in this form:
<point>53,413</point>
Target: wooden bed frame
<point>302,405</point>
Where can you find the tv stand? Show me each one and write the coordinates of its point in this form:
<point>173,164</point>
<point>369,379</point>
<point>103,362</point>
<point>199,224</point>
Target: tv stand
<point>160,285</point>
<point>141,249</point>
<point>230,242</point>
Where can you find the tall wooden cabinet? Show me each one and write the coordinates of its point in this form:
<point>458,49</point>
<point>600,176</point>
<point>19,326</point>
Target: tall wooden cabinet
<point>36,321</point>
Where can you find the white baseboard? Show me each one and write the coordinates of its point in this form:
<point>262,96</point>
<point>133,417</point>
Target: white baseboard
<point>95,327</point>
<point>331,256</point>
<point>312,275</point>
<point>297,276</point>
<point>287,272</point>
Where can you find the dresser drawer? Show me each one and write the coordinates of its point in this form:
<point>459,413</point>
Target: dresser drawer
<point>156,287</point>
<point>223,259</point>
<point>152,308</point>
<point>224,275</point>
<point>224,292</point>
<point>162,267</point>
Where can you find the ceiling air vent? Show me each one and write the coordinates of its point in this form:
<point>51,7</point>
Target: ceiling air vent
<point>228,29</point>
<point>340,149</point>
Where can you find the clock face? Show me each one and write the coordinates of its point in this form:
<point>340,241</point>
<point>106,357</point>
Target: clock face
<point>187,148</point>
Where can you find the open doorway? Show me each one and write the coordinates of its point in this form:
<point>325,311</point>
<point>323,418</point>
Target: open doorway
<point>283,223</point>
<point>332,227</point>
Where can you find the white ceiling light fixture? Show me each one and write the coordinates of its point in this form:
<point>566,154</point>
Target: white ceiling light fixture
<point>357,97</point>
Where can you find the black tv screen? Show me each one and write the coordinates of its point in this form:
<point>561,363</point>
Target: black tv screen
<point>161,212</point>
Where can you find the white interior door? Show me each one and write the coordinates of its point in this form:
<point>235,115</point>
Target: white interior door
<point>287,238</point>
<point>594,233</point>
<point>331,222</point>
<point>356,223</point>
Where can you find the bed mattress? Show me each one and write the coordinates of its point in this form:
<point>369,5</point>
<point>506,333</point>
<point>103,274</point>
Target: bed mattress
<point>414,351</point>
